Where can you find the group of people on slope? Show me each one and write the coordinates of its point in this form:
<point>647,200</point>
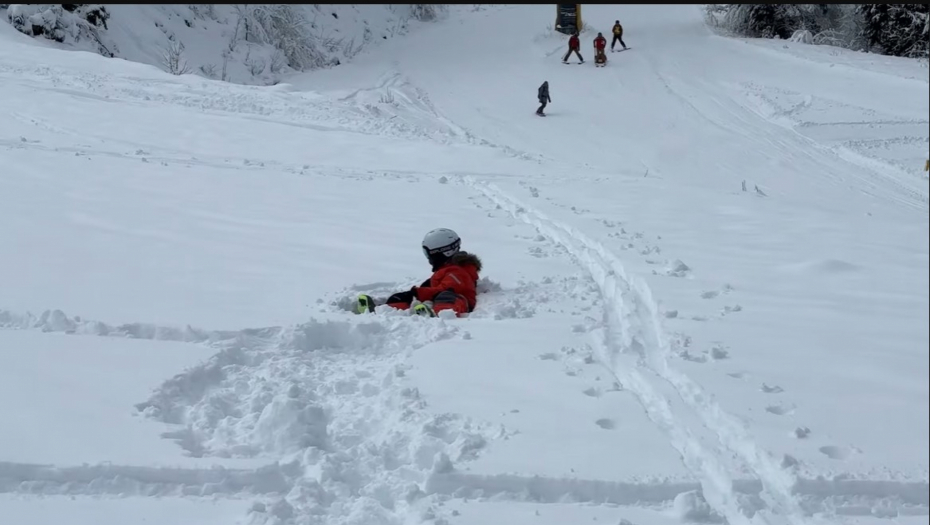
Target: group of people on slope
<point>574,46</point>
<point>600,44</point>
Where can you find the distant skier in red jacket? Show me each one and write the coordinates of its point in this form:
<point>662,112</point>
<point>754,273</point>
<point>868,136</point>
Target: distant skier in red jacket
<point>453,285</point>
<point>573,45</point>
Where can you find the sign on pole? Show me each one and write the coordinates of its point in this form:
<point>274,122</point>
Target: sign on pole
<point>568,18</point>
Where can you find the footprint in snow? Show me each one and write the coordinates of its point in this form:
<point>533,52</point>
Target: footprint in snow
<point>772,389</point>
<point>801,432</point>
<point>711,294</point>
<point>779,410</point>
<point>538,252</point>
<point>606,423</point>
<point>677,268</point>
<point>835,452</point>
<point>688,356</point>
<point>592,392</point>
<point>737,375</point>
<point>717,352</point>
<point>731,309</point>
<point>548,356</point>
<point>789,461</point>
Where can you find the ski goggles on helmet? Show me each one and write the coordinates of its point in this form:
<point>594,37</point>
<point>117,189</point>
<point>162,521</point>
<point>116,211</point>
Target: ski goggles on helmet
<point>448,250</point>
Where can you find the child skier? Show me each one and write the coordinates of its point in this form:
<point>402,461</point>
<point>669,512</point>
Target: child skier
<point>451,287</point>
<point>618,36</point>
<point>600,44</point>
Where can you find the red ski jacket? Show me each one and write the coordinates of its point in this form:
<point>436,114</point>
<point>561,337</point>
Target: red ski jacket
<point>573,42</point>
<point>600,43</point>
<point>459,275</point>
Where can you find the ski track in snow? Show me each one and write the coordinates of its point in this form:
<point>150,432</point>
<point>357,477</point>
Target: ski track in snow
<point>634,348</point>
<point>628,330</point>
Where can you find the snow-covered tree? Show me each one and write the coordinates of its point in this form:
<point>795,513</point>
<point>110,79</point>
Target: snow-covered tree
<point>61,22</point>
<point>892,29</point>
<point>781,20</point>
<point>426,12</point>
<point>284,27</point>
<point>897,29</point>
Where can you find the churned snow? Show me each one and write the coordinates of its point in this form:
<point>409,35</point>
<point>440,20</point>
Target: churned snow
<point>704,296</point>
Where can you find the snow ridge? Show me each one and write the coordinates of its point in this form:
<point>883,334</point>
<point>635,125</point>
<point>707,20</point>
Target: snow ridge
<point>632,326</point>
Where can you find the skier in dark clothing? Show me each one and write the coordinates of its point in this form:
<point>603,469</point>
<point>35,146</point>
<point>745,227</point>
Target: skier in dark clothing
<point>618,36</point>
<point>573,45</point>
<point>544,98</point>
<point>453,285</point>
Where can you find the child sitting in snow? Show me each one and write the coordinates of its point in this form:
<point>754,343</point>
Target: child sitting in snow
<point>453,285</point>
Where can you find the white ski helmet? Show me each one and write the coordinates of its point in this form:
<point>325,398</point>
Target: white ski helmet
<point>441,241</point>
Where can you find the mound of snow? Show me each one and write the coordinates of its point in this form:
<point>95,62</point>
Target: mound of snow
<point>692,507</point>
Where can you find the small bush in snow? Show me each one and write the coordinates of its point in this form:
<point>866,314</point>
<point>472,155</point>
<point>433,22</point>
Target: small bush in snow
<point>802,36</point>
<point>208,70</point>
<point>256,65</point>
<point>278,62</point>
<point>173,59</point>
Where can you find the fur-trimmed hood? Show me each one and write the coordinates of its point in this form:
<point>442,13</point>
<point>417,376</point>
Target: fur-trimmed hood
<point>465,259</point>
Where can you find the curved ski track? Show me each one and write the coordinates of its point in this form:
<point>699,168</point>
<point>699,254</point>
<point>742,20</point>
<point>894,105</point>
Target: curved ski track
<point>634,350</point>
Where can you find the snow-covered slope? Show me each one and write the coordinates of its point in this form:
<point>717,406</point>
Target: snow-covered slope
<point>241,43</point>
<point>704,296</point>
